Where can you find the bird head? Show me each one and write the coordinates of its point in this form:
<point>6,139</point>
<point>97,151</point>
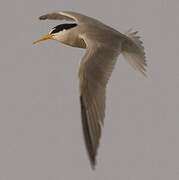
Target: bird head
<point>56,32</point>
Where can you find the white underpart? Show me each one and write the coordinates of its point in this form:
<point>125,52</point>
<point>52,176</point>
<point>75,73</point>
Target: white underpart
<point>60,36</point>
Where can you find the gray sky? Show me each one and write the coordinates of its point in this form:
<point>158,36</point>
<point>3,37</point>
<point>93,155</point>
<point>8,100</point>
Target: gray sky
<point>40,123</point>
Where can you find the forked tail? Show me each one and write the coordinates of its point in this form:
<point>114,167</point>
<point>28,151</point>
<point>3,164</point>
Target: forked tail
<point>133,52</point>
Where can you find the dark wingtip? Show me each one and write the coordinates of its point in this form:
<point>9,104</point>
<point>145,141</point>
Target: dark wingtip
<point>43,17</point>
<point>93,167</point>
<point>87,138</point>
<point>93,161</point>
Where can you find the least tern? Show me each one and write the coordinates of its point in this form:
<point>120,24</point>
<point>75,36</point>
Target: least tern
<point>103,45</point>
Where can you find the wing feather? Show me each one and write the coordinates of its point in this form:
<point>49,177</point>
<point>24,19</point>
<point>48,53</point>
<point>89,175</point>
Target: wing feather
<point>94,72</point>
<point>68,16</point>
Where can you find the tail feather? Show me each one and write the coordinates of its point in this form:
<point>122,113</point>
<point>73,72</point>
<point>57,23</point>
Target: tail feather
<point>133,52</point>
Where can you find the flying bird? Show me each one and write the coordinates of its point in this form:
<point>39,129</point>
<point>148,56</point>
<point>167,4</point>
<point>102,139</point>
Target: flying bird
<point>103,45</point>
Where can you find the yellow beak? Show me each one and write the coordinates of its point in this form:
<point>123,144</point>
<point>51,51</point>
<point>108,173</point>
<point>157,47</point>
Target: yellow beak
<point>48,36</point>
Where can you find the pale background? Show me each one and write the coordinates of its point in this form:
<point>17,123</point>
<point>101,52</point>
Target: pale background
<point>40,123</point>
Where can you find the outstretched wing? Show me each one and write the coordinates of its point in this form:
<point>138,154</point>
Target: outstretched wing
<point>68,16</point>
<point>94,72</point>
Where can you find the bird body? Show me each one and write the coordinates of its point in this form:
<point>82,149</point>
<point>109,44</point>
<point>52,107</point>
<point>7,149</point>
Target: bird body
<point>103,45</point>
<point>99,33</point>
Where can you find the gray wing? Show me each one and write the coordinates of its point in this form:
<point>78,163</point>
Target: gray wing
<point>68,16</point>
<point>94,72</point>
